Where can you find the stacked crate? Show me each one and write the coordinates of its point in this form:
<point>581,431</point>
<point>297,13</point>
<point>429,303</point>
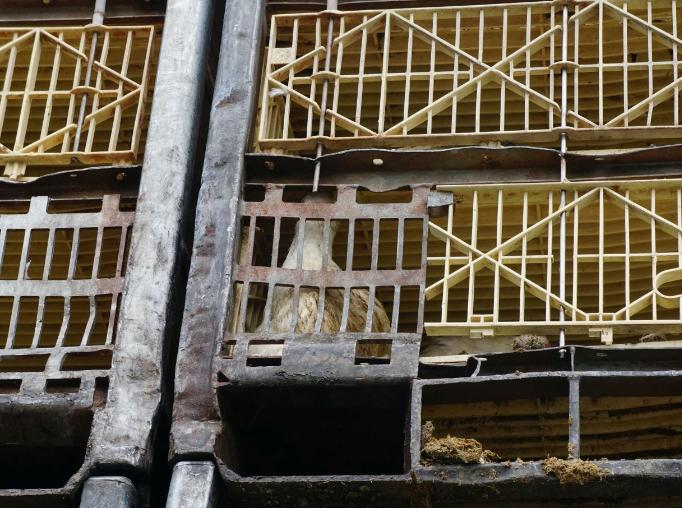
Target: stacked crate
<point>80,380</point>
<point>480,172</point>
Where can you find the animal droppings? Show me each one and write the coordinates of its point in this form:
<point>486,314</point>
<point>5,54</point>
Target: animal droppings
<point>452,450</point>
<point>529,342</point>
<point>573,471</point>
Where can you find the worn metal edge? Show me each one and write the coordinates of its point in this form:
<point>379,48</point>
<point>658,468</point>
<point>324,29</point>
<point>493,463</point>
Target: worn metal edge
<point>124,432</point>
<point>196,419</point>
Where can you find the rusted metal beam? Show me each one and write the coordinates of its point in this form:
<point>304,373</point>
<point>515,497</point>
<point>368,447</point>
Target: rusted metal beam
<point>574,418</point>
<point>195,416</point>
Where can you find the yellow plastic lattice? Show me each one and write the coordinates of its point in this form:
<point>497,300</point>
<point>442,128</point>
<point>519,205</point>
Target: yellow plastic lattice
<point>494,260</point>
<point>48,74</point>
<point>604,72</point>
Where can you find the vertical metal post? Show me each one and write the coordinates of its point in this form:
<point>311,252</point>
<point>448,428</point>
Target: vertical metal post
<point>193,485</point>
<point>574,418</point>
<point>331,6</point>
<point>196,421</point>
<point>155,276</point>
<point>109,492</point>
<point>564,148</point>
<point>97,19</point>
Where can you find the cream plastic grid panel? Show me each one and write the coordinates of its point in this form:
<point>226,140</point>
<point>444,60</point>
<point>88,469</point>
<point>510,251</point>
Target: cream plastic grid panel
<point>494,261</point>
<point>43,80</point>
<point>604,72</point>
<point>61,277</point>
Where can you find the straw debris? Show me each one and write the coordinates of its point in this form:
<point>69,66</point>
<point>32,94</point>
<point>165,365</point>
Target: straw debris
<point>529,342</point>
<point>574,471</point>
<point>452,450</point>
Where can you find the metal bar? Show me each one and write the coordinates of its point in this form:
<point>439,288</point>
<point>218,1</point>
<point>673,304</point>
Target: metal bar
<point>396,309</point>
<point>421,299</point>
<point>371,296</point>
<point>679,236</point>
<point>40,316</point>
<point>66,317</point>
<point>350,246</point>
<point>267,310</point>
<point>49,253</point>
<point>109,492</point>
<point>13,323</point>
<point>97,259</point>
<point>576,233</point>
<point>626,215</point>
<point>574,418</point>
<point>26,244</point>
<point>550,238</point>
<point>331,5</point>
<point>73,258</point>
<point>564,149</point>
<point>193,485</point>
<point>89,326</point>
<point>654,255</point>
<point>112,318</point>
<point>400,247</point>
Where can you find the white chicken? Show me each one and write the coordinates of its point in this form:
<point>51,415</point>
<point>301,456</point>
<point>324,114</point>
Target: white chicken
<point>312,244</point>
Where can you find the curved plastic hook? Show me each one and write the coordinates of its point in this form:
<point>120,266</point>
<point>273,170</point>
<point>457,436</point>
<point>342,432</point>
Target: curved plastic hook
<point>666,276</point>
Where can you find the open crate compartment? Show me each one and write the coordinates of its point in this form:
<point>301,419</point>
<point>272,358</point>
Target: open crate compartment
<point>352,262</point>
<point>536,425</point>
<point>330,444</point>
<point>523,419</point>
<point>276,442</point>
<point>64,251</point>
<point>316,430</point>
<point>635,418</point>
